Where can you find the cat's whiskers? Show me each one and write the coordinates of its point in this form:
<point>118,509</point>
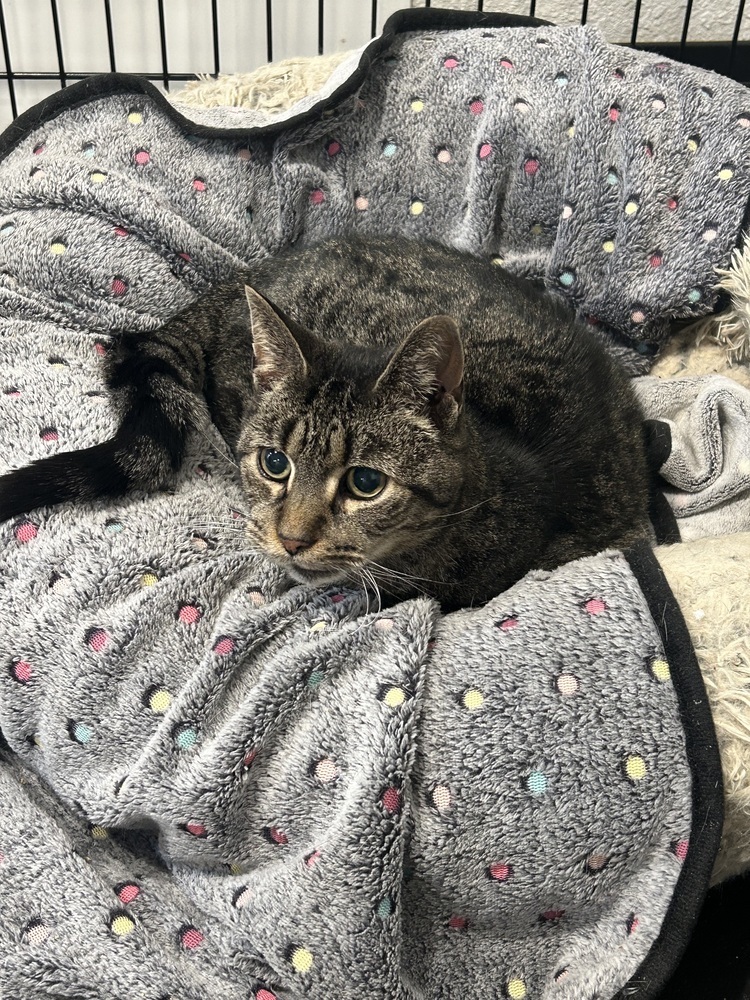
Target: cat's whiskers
<point>409,577</point>
<point>215,446</point>
<point>466,510</point>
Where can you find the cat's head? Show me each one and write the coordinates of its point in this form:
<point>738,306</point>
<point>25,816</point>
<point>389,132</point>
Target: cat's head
<point>350,456</point>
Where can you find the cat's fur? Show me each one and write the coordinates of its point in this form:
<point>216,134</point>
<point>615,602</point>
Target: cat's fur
<point>521,449</point>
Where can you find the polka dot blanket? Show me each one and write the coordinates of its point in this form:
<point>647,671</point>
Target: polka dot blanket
<point>214,785</point>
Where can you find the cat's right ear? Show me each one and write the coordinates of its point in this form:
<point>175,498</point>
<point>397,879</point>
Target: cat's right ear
<point>276,353</point>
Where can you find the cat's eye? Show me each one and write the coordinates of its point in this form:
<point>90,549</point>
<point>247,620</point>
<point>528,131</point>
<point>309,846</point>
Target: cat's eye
<point>364,483</point>
<point>274,464</point>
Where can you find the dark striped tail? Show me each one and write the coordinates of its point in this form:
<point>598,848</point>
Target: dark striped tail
<point>144,454</point>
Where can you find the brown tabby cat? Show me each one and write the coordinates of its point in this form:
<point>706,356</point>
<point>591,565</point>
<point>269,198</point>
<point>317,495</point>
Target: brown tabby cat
<point>399,412</point>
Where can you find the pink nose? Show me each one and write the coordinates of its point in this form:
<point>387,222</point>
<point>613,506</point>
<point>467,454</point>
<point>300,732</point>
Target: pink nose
<point>294,545</point>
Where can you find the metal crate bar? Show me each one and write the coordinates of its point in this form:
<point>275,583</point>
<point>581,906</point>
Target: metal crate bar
<point>110,36</point>
<point>58,42</point>
<point>163,41</point>
<point>215,35</point>
<point>8,74</point>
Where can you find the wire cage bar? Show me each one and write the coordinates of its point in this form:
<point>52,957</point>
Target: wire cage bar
<point>729,55</point>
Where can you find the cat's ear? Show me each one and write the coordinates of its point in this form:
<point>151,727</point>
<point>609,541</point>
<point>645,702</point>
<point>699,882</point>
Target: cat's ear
<point>427,368</point>
<point>276,353</point>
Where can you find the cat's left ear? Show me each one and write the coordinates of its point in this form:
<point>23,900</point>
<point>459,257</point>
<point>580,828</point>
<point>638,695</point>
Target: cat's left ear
<point>276,353</point>
<point>427,368</point>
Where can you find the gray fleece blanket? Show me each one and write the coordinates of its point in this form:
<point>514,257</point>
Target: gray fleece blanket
<point>217,786</point>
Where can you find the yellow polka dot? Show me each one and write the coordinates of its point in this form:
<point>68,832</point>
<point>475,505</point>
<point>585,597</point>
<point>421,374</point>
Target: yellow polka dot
<point>394,697</point>
<point>631,208</point>
<point>473,699</point>
<point>302,960</point>
<point>318,627</point>
<point>149,579</point>
<point>122,925</point>
<point>160,701</point>
<point>516,989</point>
<point>416,207</point>
<point>536,229</point>
<point>99,833</point>
<point>608,246</point>
<point>635,767</point>
<point>417,105</point>
<point>498,261</point>
<point>692,145</point>
<point>135,117</point>
<point>571,131</point>
<point>235,869</point>
<point>57,249</point>
<point>660,670</point>
<point>726,174</point>
<point>97,176</point>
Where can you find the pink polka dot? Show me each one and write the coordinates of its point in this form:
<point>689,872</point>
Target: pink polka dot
<point>100,348</point>
<point>530,166</point>
<point>142,157</point>
<point>244,153</point>
<point>121,232</point>
<point>614,112</point>
<point>224,646</point>
<point>648,149</point>
<point>185,256</point>
<point>196,829</point>
<point>191,937</point>
<point>450,63</point>
<point>458,923</point>
<point>632,923</point>
<point>656,259</point>
<point>550,915</point>
<point>128,892</point>
<point>500,871</point>
<point>277,836</point>
<point>476,106</point>
<point>485,150</point>
<point>672,204</point>
<point>506,64</point>
<point>595,606</point>
<point>189,614</point>
<point>638,316</point>
<point>384,624</point>
<point>49,434</point>
<point>25,531</point>
<point>618,74</point>
<point>333,148</point>
<point>312,859</point>
<point>391,800</point>
<point>680,848</point>
<point>38,150</point>
<point>508,623</point>
<point>265,995</point>
<point>119,286</point>
<point>199,184</point>
<point>337,598</point>
<point>317,196</point>
<point>361,203</point>
<point>97,639</point>
<point>12,391</point>
<point>21,671</point>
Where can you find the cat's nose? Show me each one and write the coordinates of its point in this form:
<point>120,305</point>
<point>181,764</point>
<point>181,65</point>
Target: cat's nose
<point>295,545</point>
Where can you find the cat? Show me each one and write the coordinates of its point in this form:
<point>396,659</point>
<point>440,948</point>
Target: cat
<point>402,415</point>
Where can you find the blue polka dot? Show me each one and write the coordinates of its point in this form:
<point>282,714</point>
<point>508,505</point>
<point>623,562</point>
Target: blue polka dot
<point>612,178</point>
<point>385,908</point>
<point>536,783</point>
<point>389,148</point>
<point>567,278</point>
<point>694,295</point>
<point>185,735</point>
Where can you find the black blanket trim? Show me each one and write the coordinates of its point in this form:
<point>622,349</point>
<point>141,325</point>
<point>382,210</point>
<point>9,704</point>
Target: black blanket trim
<point>102,85</point>
<point>707,784</point>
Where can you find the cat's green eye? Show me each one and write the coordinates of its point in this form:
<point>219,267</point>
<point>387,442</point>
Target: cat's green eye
<point>364,483</point>
<point>274,464</point>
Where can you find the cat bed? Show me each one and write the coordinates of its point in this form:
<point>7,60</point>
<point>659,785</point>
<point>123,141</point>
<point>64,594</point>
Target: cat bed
<point>219,786</point>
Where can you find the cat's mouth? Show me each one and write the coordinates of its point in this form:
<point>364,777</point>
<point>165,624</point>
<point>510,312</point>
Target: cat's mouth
<point>314,577</point>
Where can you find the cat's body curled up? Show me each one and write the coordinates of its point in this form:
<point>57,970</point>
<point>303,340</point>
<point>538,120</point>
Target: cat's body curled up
<point>402,413</point>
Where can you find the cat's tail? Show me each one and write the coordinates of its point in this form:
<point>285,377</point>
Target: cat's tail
<point>148,448</point>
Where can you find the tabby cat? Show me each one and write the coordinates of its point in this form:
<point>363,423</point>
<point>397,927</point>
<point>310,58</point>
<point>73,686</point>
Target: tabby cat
<point>401,414</point>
